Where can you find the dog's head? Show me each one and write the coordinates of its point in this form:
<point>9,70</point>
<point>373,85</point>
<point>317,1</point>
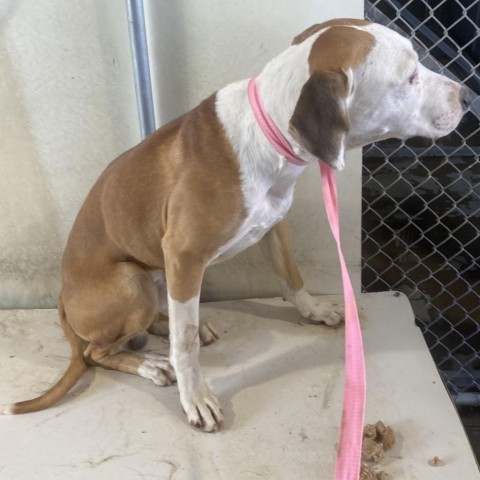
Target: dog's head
<point>366,84</point>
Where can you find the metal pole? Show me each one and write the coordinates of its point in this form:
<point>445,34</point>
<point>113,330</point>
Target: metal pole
<point>141,66</point>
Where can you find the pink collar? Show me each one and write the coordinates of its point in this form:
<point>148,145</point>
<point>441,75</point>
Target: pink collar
<point>347,466</point>
<point>271,131</point>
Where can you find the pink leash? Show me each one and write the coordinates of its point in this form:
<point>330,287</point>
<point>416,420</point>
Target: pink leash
<point>349,455</point>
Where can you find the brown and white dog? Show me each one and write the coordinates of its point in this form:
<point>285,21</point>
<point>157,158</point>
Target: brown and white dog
<point>209,184</point>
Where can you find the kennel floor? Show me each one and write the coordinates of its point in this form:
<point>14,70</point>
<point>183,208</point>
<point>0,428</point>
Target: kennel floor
<point>280,381</point>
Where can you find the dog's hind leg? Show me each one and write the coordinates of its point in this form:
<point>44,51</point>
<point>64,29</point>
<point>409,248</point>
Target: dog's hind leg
<point>154,367</point>
<point>122,304</point>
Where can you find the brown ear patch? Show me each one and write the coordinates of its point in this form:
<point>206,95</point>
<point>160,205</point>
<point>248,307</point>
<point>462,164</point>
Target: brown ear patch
<point>319,122</point>
<point>330,23</point>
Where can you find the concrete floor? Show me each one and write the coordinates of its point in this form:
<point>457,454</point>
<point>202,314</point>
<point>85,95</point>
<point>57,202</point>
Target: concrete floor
<point>279,380</point>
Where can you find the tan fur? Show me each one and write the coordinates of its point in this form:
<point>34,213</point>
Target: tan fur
<point>340,48</point>
<point>150,209</point>
<point>329,23</point>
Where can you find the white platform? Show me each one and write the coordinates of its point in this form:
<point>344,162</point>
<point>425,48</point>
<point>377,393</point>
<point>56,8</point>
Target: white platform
<point>280,382</point>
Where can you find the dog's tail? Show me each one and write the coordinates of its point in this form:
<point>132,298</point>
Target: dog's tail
<point>74,371</point>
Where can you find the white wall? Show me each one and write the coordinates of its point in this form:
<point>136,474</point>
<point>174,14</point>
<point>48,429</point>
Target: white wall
<point>68,108</point>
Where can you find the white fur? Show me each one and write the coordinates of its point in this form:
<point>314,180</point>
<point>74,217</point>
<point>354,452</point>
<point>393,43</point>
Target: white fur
<point>198,401</point>
<point>6,409</point>
<point>312,309</point>
<point>157,368</point>
<point>386,105</point>
<point>268,179</point>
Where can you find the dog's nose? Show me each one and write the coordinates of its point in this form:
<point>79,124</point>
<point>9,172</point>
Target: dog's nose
<point>467,96</point>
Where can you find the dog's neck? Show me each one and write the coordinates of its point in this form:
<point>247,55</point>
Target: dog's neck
<point>279,84</point>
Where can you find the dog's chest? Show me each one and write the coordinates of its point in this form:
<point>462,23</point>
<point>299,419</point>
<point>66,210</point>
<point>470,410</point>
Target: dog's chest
<point>265,208</point>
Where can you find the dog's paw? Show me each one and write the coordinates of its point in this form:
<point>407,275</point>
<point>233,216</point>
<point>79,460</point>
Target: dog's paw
<point>318,311</point>
<point>158,369</point>
<point>203,409</point>
<point>207,333</point>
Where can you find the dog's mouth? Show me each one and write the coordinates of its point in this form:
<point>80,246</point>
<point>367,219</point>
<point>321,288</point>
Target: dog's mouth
<point>447,121</point>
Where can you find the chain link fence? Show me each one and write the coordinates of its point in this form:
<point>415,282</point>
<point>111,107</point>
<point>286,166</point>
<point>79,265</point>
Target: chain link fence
<point>421,199</point>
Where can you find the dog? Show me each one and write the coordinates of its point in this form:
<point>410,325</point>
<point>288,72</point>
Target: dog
<point>209,184</point>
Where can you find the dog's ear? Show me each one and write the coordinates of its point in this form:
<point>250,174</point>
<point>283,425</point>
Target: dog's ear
<point>320,121</point>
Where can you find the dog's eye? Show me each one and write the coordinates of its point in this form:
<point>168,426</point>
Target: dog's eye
<point>413,78</point>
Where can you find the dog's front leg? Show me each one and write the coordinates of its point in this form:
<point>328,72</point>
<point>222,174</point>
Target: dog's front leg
<point>276,247</point>
<point>184,278</point>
